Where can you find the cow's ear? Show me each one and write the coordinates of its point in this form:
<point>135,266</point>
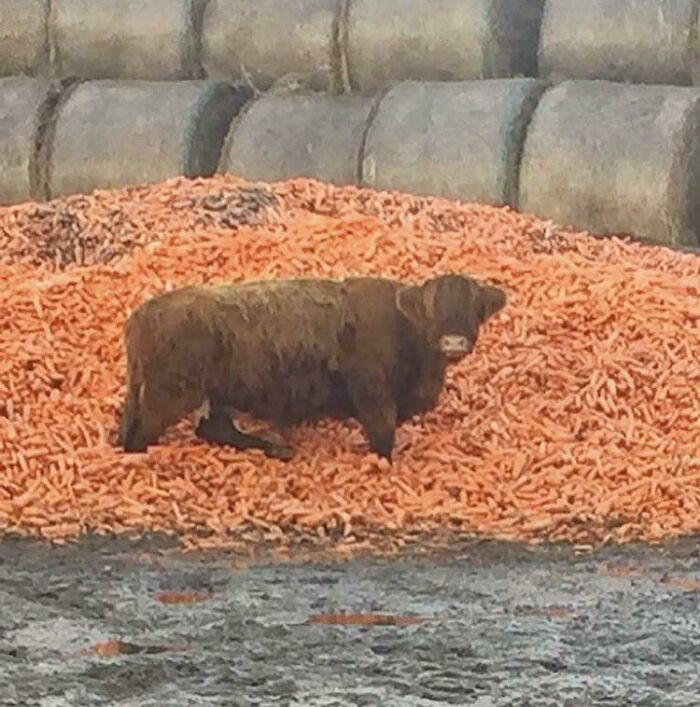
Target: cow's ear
<point>409,301</point>
<point>491,300</point>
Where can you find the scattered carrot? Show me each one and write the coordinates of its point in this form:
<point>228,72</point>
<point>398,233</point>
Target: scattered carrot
<point>365,620</point>
<point>181,597</point>
<point>552,612</point>
<point>109,649</point>
<point>688,584</point>
<point>576,418</point>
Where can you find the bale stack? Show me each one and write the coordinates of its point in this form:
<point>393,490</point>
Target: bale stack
<point>458,139</point>
<point>389,41</point>
<point>641,41</point>
<point>118,133</point>
<point>267,39</point>
<point>613,158</point>
<point>461,140</point>
<point>281,136</point>
<point>23,31</point>
<point>128,39</point>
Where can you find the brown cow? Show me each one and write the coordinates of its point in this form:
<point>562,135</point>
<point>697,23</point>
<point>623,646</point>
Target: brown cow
<point>292,351</point>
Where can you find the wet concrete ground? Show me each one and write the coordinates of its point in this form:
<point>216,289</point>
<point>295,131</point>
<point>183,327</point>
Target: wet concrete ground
<point>512,626</point>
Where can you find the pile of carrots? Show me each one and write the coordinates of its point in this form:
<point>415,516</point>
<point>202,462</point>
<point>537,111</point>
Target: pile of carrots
<point>576,418</point>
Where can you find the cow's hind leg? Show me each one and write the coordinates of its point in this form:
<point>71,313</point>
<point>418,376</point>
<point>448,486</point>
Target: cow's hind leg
<point>218,428</point>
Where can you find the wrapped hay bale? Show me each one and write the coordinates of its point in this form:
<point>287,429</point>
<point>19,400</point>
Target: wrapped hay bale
<point>262,40</point>
<point>129,39</point>
<point>20,100</point>
<point>616,158</point>
<point>299,135</point>
<point>23,45</point>
<point>461,140</point>
<point>640,41</point>
<point>393,40</point>
<point>119,133</point>
<point>26,107</point>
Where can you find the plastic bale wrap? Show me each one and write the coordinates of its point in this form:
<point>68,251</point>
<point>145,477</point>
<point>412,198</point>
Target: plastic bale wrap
<point>23,37</point>
<point>616,158</point>
<point>128,39</point>
<point>299,135</point>
<point>393,40</point>
<point>119,133</point>
<point>640,41</point>
<point>264,40</point>
<point>461,140</point>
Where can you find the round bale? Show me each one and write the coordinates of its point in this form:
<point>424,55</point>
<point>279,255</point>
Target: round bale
<point>23,43</point>
<point>640,41</point>
<point>299,135</point>
<point>392,40</point>
<point>616,158</point>
<point>120,133</point>
<point>461,140</point>
<point>26,105</point>
<point>263,40</point>
<point>129,39</point>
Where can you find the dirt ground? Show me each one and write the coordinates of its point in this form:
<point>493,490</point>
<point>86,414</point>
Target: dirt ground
<point>510,625</point>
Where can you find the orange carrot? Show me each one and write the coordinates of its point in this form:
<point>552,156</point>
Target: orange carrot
<point>575,418</point>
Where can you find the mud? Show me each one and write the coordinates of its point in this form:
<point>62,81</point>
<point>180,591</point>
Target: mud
<point>511,626</point>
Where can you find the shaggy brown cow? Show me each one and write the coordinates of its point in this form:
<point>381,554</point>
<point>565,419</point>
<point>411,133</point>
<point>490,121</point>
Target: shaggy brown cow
<point>292,351</point>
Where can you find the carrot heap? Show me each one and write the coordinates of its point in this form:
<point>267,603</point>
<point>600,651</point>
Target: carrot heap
<point>576,418</point>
